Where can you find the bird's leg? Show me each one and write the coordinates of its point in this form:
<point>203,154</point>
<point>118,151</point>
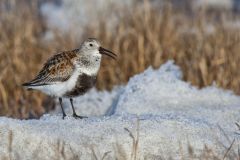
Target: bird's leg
<point>63,112</point>
<point>74,113</point>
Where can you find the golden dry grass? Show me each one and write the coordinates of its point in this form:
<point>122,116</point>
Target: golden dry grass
<point>143,36</point>
<point>148,37</point>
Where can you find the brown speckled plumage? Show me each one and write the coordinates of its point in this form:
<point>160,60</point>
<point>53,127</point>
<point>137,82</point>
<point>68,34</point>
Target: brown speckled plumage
<point>57,68</point>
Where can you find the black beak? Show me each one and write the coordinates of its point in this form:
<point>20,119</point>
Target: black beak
<point>107,52</point>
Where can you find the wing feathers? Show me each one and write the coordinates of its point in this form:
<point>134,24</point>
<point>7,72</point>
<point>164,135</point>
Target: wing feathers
<point>58,68</point>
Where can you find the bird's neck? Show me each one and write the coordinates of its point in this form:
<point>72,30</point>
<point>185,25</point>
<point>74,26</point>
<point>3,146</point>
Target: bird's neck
<point>90,64</point>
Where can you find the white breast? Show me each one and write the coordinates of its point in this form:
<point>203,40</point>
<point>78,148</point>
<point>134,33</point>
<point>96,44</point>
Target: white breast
<point>93,67</point>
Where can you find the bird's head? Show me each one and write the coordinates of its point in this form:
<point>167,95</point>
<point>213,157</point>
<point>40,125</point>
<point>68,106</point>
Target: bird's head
<point>93,46</point>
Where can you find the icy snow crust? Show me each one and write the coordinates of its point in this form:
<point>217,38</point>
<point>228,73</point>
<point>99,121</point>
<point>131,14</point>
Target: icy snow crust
<point>171,113</point>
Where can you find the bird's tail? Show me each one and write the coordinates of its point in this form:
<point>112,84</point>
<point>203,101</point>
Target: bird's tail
<point>27,85</point>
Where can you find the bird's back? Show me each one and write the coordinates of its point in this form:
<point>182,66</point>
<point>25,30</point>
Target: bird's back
<point>58,68</point>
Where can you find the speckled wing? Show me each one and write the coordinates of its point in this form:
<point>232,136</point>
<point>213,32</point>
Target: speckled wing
<point>58,68</point>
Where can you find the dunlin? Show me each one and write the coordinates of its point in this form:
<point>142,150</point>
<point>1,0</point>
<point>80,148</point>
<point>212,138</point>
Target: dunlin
<point>71,73</point>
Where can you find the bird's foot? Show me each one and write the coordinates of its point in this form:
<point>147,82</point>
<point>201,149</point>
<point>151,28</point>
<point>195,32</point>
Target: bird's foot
<point>64,115</point>
<point>77,116</point>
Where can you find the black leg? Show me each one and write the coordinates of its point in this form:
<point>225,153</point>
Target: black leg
<point>63,112</point>
<point>74,113</point>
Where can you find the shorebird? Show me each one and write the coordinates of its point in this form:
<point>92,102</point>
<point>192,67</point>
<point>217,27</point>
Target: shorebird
<point>70,73</point>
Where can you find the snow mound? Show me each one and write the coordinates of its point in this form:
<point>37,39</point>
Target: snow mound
<point>162,92</point>
<point>167,113</point>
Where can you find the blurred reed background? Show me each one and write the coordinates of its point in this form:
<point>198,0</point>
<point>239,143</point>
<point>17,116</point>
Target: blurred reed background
<point>205,43</point>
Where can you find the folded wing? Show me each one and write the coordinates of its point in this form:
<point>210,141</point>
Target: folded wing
<point>58,68</point>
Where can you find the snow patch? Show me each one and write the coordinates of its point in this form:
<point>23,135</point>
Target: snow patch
<point>171,115</point>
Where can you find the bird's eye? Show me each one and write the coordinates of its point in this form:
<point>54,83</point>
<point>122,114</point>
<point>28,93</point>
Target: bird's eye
<point>90,44</point>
